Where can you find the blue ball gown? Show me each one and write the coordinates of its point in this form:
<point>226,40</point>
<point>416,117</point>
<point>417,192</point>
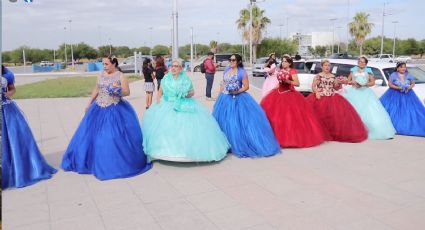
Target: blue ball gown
<point>108,141</point>
<point>22,162</point>
<point>244,121</point>
<point>180,128</point>
<point>370,109</point>
<point>405,108</point>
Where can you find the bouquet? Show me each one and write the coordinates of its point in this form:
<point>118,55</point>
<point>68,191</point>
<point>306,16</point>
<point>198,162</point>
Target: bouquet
<point>115,89</point>
<point>283,75</point>
<point>342,79</point>
<point>232,86</point>
<point>404,85</point>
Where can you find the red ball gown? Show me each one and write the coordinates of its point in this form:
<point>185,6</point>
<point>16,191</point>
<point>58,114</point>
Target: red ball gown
<point>291,117</point>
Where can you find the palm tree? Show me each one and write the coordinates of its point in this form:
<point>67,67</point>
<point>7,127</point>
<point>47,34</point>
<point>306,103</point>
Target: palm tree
<point>360,28</point>
<point>213,46</point>
<point>259,24</point>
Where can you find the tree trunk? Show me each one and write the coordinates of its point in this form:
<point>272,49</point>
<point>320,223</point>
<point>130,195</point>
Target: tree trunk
<point>361,49</point>
<point>254,53</point>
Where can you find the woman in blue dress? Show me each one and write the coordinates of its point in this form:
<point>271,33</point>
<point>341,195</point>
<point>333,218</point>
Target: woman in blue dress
<point>367,105</point>
<point>22,162</point>
<point>402,104</point>
<point>108,140</point>
<point>241,118</point>
<point>178,128</point>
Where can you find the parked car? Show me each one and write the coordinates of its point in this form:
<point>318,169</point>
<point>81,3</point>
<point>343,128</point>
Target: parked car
<point>406,59</point>
<point>221,59</point>
<point>128,65</point>
<point>381,71</point>
<point>342,56</point>
<point>383,58</point>
<point>258,70</point>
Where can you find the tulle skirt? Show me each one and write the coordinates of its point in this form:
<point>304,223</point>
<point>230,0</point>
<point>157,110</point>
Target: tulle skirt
<point>406,111</point>
<point>292,119</point>
<point>107,144</point>
<point>186,133</point>
<point>245,125</point>
<point>22,162</point>
<point>269,84</point>
<point>338,118</point>
<point>372,113</point>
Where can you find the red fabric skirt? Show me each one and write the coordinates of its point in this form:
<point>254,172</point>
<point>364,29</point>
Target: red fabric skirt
<point>292,119</point>
<point>339,118</point>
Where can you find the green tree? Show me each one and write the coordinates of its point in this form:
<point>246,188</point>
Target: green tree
<point>259,24</point>
<point>82,50</point>
<point>123,51</point>
<point>160,50</point>
<point>278,46</point>
<point>360,28</point>
<point>105,50</point>
<point>213,46</point>
<point>144,50</point>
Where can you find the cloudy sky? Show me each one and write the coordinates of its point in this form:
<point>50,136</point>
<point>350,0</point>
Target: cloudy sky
<point>126,22</point>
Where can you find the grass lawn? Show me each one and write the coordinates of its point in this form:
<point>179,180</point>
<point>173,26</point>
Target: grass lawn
<point>60,87</point>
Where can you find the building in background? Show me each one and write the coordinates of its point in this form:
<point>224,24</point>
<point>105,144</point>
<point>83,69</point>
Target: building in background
<point>307,41</point>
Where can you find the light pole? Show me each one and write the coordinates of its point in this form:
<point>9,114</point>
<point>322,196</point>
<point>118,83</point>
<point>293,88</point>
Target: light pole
<point>280,31</point>
<point>150,41</point>
<point>72,50</point>
<point>175,31</point>
<point>66,58</point>
<point>110,46</point>
<point>216,48</point>
<point>339,40</point>
<point>395,23</point>
<point>191,49</point>
<point>333,33</point>
<point>348,25</point>
<point>382,32</point>
<point>250,30</point>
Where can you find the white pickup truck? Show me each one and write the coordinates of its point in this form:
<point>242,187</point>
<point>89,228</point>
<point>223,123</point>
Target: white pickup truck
<point>383,58</point>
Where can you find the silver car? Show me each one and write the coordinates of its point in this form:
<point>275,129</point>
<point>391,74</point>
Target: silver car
<point>128,65</point>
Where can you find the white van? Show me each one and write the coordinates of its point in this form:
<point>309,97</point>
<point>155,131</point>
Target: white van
<point>381,71</point>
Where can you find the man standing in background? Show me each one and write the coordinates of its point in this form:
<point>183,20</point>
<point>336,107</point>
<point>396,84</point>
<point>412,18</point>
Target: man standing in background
<point>210,69</point>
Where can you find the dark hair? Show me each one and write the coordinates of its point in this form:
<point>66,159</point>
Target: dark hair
<point>210,53</point>
<point>3,70</point>
<point>289,60</point>
<point>364,58</point>
<point>399,64</point>
<point>146,63</point>
<point>113,60</point>
<point>238,60</point>
<point>159,62</point>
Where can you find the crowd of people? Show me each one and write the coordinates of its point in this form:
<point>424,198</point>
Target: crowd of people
<point>110,142</point>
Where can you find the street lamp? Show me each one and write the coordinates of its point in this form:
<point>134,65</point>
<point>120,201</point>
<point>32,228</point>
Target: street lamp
<point>66,58</point>
<point>150,42</point>
<point>395,23</point>
<point>110,46</point>
<point>191,49</point>
<point>280,34</point>
<point>251,4</point>
<point>382,32</point>
<point>72,50</point>
<point>333,33</point>
<point>175,31</point>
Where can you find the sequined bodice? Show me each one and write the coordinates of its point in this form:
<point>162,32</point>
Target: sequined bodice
<point>103,98</point>
<point>326,85</point>
<point>231,79</point>
<point>361,77</point>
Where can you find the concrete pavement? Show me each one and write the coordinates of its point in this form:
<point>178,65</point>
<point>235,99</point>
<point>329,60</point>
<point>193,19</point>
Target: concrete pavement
<point>371,185</point>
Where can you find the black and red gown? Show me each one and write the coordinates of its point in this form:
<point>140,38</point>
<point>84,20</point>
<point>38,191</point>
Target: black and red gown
<point>338,117</point>
<point>291,117</point>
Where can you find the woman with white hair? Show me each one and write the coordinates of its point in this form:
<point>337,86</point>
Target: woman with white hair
<point>178,128</point>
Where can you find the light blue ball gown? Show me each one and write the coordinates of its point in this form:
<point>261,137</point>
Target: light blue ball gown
<point>368,106</point>
<point>180,128</point>
<point>22,162</point>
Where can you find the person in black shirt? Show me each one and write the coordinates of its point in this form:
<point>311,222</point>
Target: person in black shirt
<point>148,73</point>
<point>160,69</point>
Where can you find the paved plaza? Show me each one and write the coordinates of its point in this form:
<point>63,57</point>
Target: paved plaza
<point>377,185</point>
